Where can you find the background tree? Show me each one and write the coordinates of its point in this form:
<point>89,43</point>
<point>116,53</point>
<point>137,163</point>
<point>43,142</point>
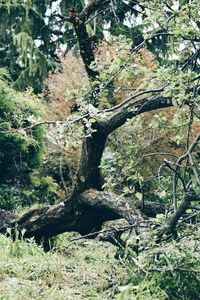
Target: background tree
<point>27,41</point>
<point>32,33</point>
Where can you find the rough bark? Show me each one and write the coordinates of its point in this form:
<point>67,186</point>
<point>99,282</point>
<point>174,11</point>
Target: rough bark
<point>6,219</point>
<point>79,21</point>
<point>89,173</point>
<point>85,45</point>
<point>91,210</point>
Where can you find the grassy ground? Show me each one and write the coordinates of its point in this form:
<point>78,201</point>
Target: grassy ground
<point>74,270</point>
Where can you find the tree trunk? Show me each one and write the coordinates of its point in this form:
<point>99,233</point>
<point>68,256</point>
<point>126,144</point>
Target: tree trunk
<point>89,173</point>
<point>92,208</point>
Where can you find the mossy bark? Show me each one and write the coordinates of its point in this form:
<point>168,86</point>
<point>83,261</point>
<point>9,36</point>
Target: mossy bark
<point>90,210</point>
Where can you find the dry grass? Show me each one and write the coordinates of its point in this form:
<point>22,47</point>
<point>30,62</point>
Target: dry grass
<point>81,270</point>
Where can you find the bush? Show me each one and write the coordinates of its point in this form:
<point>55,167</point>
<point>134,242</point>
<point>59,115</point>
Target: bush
<point>20,149</point>
<point>9,197</point>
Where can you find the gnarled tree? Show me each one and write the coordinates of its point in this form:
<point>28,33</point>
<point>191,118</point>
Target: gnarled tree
<point>88,206</point>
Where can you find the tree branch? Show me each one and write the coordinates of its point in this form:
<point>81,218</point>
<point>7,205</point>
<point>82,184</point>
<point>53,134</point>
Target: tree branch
<point>172,223</point>
<point>130,110</point>
<point>126,101</point>
<point>92,6</point>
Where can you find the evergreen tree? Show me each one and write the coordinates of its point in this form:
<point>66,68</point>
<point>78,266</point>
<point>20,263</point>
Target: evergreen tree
<point>27,48</point>
<point>31,31</point>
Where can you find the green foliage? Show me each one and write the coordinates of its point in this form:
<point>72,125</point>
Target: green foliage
<point>9,197</point>
<point>32,61</point>
<point>19,150</point>
<point>45,188</point>
<point>30,33</point>
<point>28,41</point>
<point>128,173</point>
<point>21,147</point>
<point>171,271</point>
<point>27,50</point>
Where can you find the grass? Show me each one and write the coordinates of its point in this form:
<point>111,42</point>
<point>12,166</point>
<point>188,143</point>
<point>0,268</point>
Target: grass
<point>78,270</point>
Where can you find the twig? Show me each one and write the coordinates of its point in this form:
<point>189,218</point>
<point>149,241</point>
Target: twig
<point>122,228</point>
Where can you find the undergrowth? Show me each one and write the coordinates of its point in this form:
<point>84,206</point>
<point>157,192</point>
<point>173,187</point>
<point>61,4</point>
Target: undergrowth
<point>78,270</point>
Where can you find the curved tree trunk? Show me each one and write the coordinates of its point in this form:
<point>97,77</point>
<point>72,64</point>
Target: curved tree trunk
<point>88,207</point>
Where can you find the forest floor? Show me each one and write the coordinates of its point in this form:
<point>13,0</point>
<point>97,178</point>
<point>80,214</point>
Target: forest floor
<point>84,269</point>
